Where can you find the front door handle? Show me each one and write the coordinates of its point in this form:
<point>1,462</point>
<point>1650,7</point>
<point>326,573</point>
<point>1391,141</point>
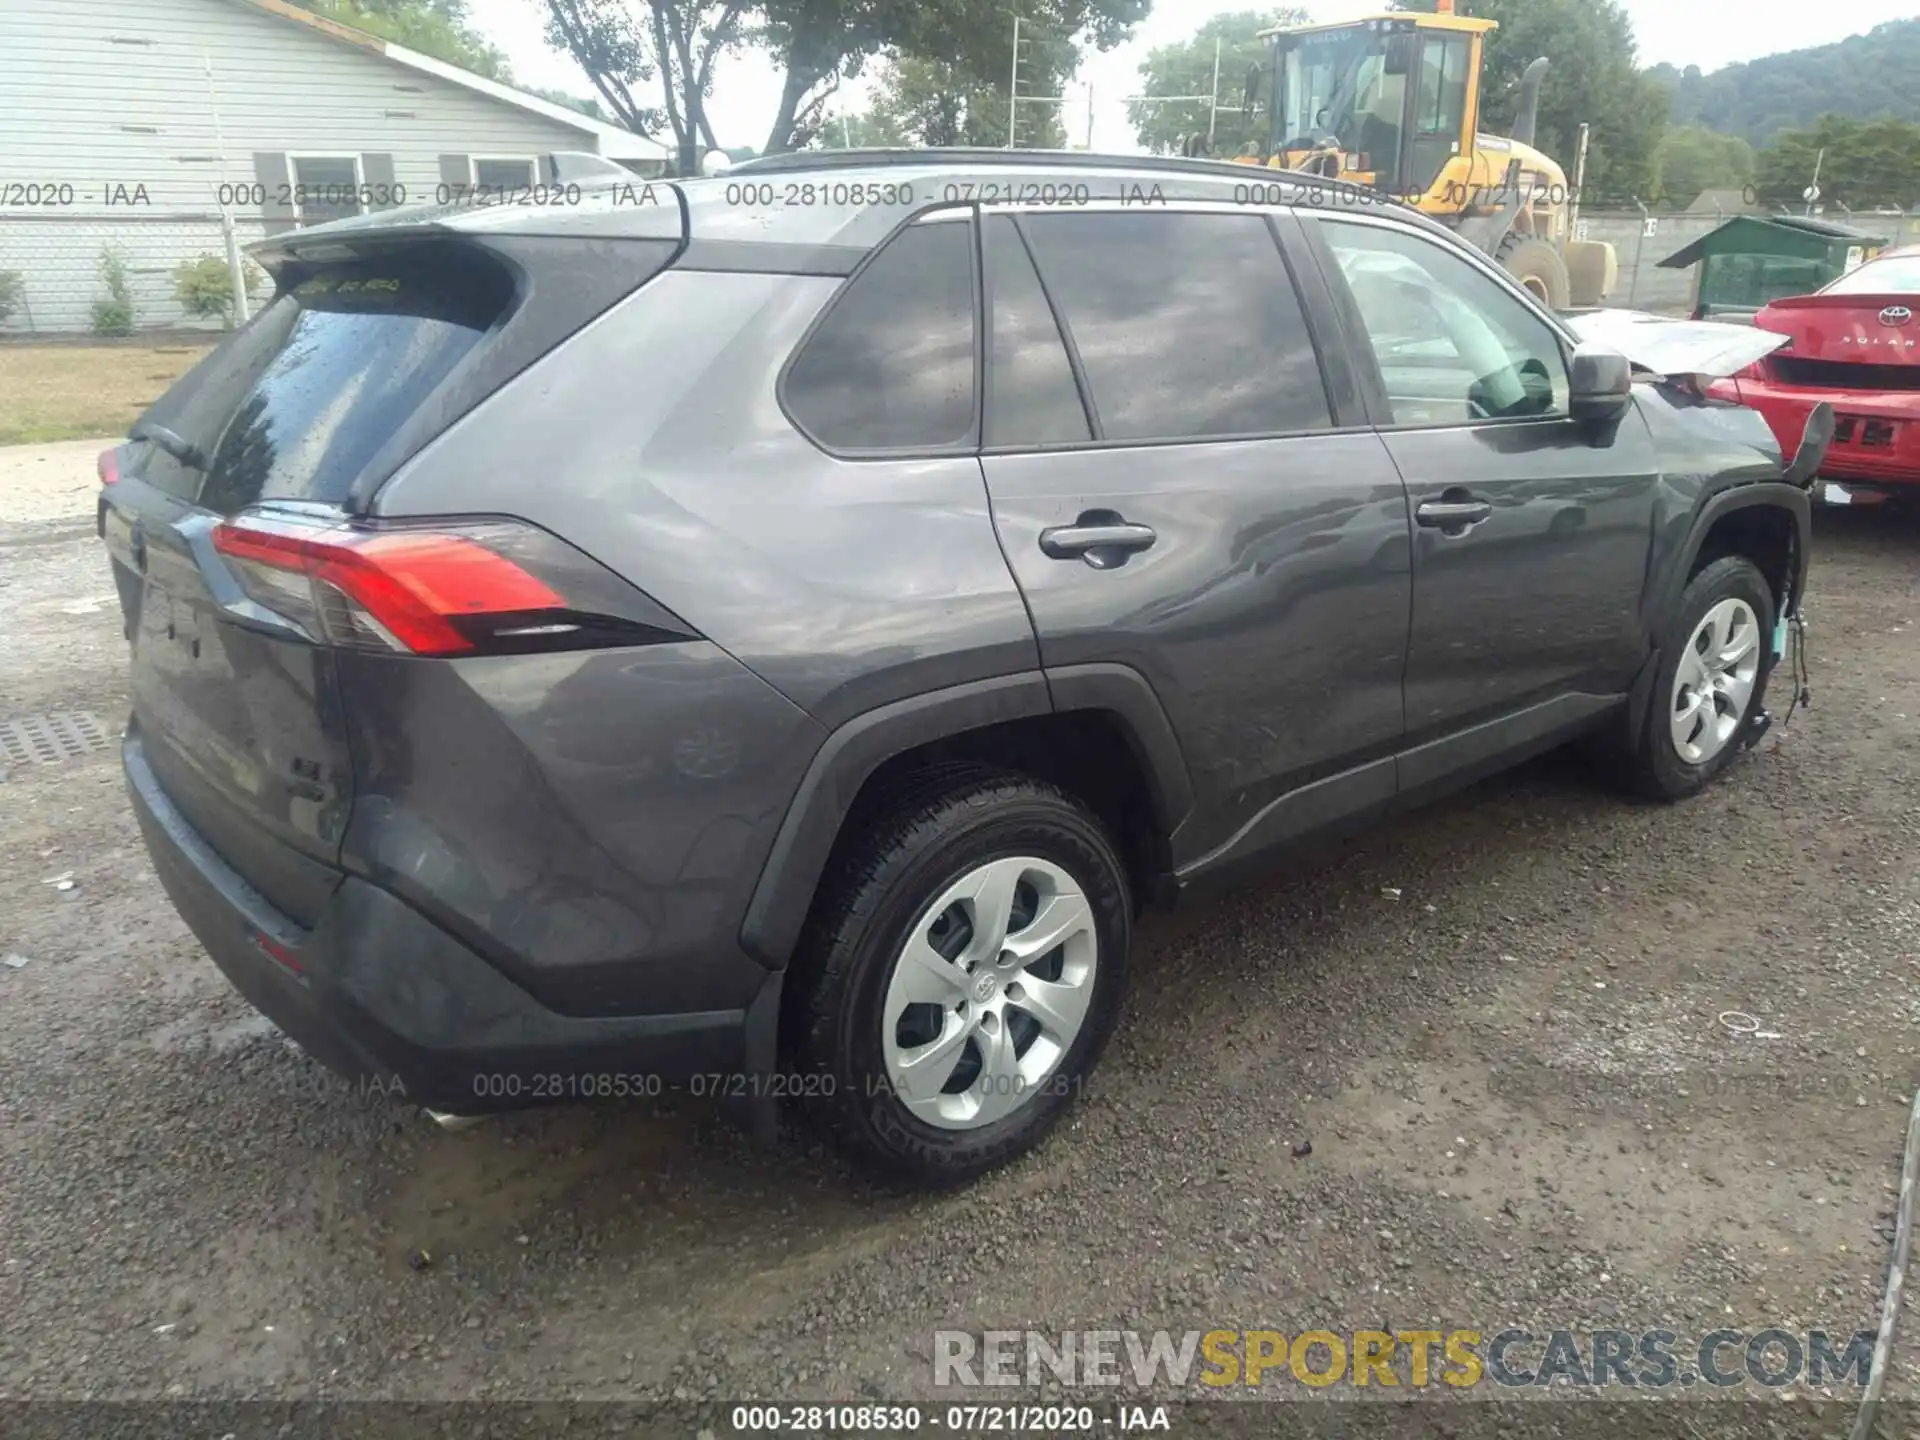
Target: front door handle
<point>1452,516</point>
<point>1102,539</point>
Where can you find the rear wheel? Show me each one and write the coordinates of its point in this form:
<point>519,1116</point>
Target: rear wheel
<point>962,974</point>
<point>1539,266</point>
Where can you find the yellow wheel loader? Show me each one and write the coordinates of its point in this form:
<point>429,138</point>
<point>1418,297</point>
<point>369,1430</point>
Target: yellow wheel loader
<point>1392,104</point>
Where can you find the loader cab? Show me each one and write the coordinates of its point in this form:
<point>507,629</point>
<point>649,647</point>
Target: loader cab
<point>1386,102</point>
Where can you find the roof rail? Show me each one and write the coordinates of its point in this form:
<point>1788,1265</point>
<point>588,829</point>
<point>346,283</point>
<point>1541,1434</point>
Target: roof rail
<point>985,156</point>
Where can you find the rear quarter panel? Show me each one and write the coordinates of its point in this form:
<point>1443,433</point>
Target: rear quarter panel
<point>823,590</point>
<point>655,442</point>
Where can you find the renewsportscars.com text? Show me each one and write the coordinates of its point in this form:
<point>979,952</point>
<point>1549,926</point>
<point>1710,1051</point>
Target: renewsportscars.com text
<point>1512,1358</point>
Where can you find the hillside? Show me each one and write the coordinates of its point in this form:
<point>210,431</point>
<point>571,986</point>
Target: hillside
<point>1865,77</point>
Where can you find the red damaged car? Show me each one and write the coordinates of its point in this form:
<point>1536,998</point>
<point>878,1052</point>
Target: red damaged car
<point>1855,344</point>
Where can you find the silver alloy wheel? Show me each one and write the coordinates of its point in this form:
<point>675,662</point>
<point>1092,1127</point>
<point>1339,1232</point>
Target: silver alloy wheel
<point>989,992</point>
<point>1715,681</point>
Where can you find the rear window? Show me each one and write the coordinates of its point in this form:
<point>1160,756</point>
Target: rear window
<point>364,345</point>
<point>1895,275</point>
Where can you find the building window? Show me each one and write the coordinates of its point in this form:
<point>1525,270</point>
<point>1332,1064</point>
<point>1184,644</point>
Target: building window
<point>504,173</point>
<point>326,187</point>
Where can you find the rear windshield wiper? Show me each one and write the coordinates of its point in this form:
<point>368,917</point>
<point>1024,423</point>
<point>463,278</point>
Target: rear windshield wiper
<point>185,451</point>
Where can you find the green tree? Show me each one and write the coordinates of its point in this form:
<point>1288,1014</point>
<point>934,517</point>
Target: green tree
<point>636,48</point>
<point>1862,164</point>
<point>204,286</point>
<point>859,130</point>
<point>586,105</point>
<point>440,28</point>
<point>1692,159</point>
<point>1188,69</point>
<point>1591,79</point>
<point>114,315</point>
<point>941,102</point>
<point>664,46</point>
<point>1864,77</point>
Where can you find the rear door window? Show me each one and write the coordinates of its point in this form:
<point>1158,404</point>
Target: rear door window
<point>1187,325</point>
<point>360,348</point>
<point>891,365</point>
<point>1031,395</point>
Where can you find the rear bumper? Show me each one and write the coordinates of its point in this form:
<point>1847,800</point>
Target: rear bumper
<point>1878,435</point>
<point>381,995</point>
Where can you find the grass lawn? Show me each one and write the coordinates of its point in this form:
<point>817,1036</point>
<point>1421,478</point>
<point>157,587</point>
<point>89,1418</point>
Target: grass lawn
<point>76,392</point>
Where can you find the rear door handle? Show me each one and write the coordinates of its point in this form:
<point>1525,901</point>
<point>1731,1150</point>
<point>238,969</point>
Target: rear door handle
<point>1453,516</point>
<point>1102,543</point>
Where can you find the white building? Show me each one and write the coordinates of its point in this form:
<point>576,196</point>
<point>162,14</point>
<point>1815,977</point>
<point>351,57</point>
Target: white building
<point>130,124</point>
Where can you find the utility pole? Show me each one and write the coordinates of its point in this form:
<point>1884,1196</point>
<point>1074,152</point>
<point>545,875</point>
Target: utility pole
<point>1089,115</point>
<point>230,240</point>
<point>1213,106</point>
<point>1813,190</point>
<point>1013,83</point>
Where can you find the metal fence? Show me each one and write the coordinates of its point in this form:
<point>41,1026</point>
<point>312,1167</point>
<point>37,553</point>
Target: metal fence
<point>1643,238</point>
<point>59,267</point>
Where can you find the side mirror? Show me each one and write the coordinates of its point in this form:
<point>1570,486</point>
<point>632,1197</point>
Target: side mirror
<point>1600,382</point>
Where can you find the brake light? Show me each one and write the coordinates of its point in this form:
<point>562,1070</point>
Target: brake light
<point>107,465</point>
<point>454,590</point>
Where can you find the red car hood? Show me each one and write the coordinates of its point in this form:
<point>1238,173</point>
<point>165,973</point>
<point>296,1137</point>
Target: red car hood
<point>1868,329</point>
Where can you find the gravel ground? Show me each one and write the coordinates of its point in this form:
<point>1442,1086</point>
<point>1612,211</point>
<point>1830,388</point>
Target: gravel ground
<point>1494,1024</point>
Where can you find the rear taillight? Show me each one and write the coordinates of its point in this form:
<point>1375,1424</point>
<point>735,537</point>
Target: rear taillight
<point>487,587</point>
<point>107,465</point>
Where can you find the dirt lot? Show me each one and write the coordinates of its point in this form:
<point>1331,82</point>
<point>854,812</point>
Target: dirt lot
<point>1495,1025</point>
<point>72,392</point>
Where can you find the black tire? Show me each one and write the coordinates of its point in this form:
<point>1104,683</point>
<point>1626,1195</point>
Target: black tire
<point>1656,768</point>
<point>927,836</point>
<point>1539,266</point>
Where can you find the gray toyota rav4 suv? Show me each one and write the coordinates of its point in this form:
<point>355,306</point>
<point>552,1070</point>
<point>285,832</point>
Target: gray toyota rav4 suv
<point>781,628</point>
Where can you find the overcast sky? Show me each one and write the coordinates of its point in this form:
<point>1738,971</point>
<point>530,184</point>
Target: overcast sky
<point>1707,33</point>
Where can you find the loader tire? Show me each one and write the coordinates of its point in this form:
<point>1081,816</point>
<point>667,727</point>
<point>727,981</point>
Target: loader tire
<point>1536,264</point>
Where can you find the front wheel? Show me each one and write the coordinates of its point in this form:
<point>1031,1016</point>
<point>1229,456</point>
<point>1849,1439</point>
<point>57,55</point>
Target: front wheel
<point>1711,682</point>
<point>962,974</point>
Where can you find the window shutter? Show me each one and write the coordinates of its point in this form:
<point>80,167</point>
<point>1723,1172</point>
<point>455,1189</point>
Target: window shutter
<point>456,170</point>
<point>377,172</point>
<point>275,175</point>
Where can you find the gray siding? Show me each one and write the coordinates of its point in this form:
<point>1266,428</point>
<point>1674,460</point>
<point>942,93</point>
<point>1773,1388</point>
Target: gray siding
<point>104,94</point>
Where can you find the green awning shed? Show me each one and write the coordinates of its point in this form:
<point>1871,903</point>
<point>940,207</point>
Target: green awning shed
<point>1753,259</point>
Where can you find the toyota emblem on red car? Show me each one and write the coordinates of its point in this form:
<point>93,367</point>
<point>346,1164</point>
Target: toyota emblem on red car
<point>1895,315</point>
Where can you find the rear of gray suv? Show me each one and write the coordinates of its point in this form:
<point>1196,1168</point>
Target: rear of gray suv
<point>770,634</point>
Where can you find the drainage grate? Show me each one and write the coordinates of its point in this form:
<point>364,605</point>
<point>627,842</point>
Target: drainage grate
<point>49,739</point>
